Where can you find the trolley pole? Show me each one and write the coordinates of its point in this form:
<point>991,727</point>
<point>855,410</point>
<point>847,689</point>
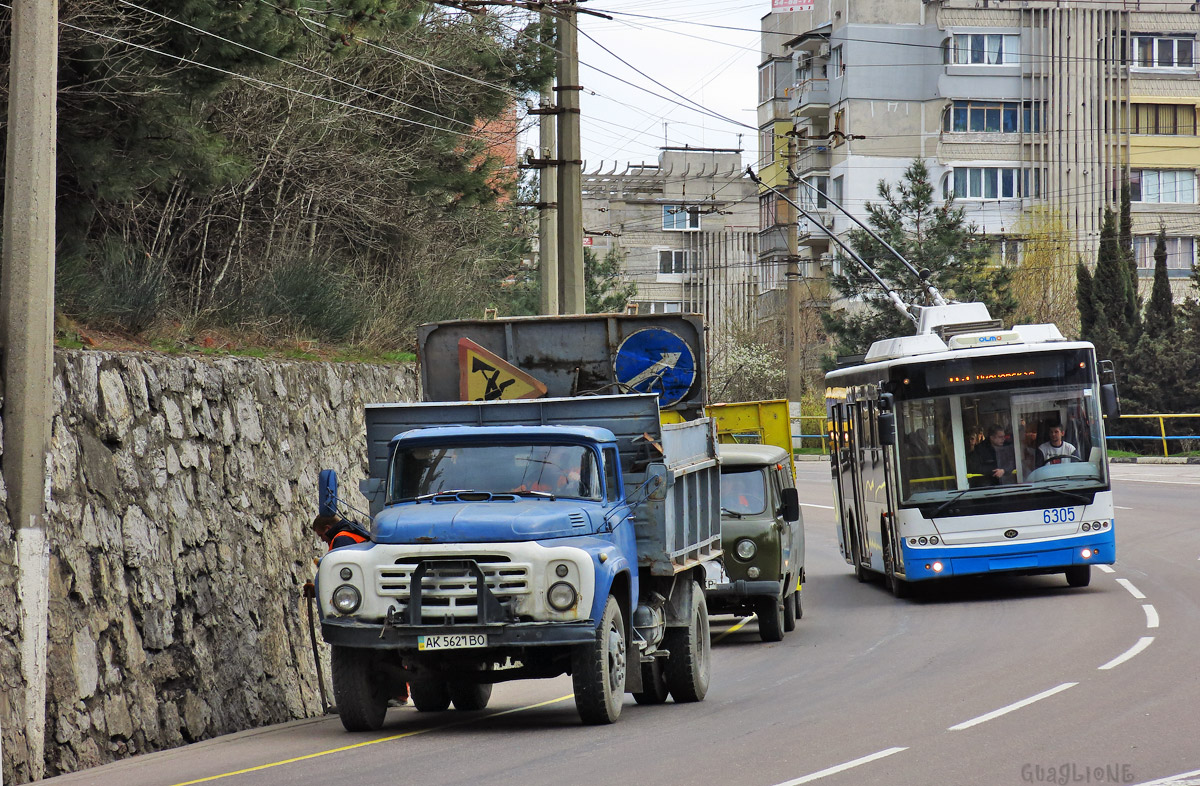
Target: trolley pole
<point>572,297</point>
<point>26,336</point>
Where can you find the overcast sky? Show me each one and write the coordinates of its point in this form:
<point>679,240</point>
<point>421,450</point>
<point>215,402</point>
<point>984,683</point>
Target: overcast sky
<point>714,67</point>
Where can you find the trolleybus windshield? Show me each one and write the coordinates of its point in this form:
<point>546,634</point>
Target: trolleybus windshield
<point>999,423</point>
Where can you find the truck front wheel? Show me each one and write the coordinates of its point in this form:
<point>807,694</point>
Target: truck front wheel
<point>689,661</point>
<point>361,702</point>
<point>598,669</point>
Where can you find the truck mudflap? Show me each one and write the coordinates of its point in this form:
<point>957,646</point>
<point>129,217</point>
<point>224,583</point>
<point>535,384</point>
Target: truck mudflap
<point>352,633</point>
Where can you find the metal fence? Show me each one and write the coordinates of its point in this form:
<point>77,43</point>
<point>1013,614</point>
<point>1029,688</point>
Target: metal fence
<point>1162,429</point>
<point>813,431</point>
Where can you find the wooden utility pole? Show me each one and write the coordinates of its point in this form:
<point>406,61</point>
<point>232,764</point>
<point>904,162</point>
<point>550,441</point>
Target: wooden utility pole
<point>26,335</point>
<point>571,297</point>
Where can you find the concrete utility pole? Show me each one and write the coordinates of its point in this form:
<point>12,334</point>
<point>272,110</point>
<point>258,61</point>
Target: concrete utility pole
<point>795,351</point>
<point>571,297</point>
<point>26,335</point>
<point>548,216</point>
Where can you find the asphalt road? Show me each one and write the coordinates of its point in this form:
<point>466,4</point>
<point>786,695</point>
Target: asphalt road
<point>1000,681</point>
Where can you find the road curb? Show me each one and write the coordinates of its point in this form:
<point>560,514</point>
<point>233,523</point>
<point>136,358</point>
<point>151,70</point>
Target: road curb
<point>1155,460</point>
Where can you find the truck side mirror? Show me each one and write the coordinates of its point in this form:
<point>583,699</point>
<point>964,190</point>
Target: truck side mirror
<point>327,492</point>
<point>1110,402</point>
<point>791,505</point>
<point>887,428</point>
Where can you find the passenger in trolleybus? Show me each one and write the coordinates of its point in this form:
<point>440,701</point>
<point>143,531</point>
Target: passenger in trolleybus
<point>993,461</point>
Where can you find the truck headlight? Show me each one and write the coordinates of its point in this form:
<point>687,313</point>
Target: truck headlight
<point>561,596</point>
<point>745,548</point>
<point>346,599</point>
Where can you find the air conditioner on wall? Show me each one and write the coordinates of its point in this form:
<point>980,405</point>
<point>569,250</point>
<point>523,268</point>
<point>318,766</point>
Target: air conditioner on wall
<point>826,260</point>
<point>823,50</point>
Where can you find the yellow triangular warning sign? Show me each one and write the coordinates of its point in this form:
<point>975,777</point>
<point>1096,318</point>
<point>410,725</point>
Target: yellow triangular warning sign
<point>485,376</point>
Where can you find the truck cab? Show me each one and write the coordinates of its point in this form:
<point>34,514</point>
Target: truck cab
<point>761,569</point>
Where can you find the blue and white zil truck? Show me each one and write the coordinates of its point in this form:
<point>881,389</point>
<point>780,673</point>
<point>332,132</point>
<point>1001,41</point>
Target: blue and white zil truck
<point>526,539</point>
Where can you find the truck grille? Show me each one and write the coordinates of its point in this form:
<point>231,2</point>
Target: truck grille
<point>450,591</point>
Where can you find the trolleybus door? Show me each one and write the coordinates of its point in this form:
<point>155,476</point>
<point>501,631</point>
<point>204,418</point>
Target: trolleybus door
<point>848,479</point>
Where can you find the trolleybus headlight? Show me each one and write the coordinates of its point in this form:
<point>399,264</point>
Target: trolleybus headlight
<point>933,540</point>
<point>1086,553</point>
<point>746,549</point>
<point>346,599</point>
<point>922,540</point>
<point>1087,527</point>
<point>937,567</point>
<point>561,596</point>
<point>912,541</point>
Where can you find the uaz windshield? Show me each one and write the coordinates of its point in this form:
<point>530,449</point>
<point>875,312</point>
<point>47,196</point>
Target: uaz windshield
<point>561,470</point>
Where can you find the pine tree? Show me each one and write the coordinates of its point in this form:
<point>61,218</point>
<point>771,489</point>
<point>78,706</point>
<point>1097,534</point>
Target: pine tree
<point>1133,301</point>
<point>1085,299</point>
<point>1160,311</point>
<point>1110,291</point>
<point>607,290</point>
<point>932,235</point>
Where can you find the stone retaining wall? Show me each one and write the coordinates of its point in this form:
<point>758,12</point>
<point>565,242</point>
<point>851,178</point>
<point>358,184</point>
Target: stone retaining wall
<point>181,492</point>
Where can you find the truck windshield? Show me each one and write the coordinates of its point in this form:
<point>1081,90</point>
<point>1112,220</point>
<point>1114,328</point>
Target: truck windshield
<point>743,490</point>
<point>561,470</point>
<point>982,440</point>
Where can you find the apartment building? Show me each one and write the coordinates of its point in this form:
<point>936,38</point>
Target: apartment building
<point>1015,105</point>
<point>687,227</point>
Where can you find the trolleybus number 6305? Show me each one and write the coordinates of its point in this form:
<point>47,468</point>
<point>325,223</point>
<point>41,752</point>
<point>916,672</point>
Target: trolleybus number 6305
<point>1058,515</point>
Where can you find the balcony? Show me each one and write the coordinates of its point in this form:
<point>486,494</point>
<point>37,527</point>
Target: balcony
<point>810,98</point>
<point>816,229</point>
<point>813,156</point>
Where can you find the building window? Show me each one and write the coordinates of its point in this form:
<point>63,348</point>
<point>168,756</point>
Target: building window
<point>772,211</point>
<point>990,182</point>
<point>1001,117</point>
<point>1181,252</point>
<point>680,218</point>
<point>766,146</point>
<point>986,49</point>
<point>674,261</point>
<point>1169,119</point>
<point>1163,185</point>
<point>812,199</point>
<point>770,76</point>
<point>835,189</point>
<point>836,67</point>
<point>660,307</point>
<point>1151,51</point>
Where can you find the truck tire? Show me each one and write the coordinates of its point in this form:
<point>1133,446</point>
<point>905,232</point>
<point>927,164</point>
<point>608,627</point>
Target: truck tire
<point>598,669</point>
<point>771,615</point>
<point>688,664</point>
<point>654,684</point>
<point>789,612</point>
<point>799,605</point>
<point>361,702</point>
<point>1079,575</point>
<point>470,696</point>
<point>429,694</point>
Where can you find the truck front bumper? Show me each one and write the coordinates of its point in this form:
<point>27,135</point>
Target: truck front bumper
<point>352,633</point>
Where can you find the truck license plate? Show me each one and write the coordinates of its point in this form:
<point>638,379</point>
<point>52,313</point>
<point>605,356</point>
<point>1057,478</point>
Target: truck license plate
<point>452,641</point>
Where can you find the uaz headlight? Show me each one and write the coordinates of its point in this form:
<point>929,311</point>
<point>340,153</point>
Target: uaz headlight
<point>745,549</point>
<point>346,599</point>
<point>561,596</point>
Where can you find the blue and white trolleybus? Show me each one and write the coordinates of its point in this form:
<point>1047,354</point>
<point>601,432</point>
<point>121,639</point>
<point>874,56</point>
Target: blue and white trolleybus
<point>970,449</point>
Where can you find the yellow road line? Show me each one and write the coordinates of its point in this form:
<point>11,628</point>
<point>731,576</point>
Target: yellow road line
<point>736,627</point>
<point>372,742</point>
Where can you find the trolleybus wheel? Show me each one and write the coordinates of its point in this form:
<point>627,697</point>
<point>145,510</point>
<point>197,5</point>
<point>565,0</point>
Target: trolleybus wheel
<point>1079,575</point>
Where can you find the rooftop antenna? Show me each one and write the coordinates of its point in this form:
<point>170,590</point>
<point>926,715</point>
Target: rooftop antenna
<point>892,296</point>
<point>922,275</point>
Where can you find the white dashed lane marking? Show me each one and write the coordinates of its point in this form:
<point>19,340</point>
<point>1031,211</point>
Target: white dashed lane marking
<point>1142,644</point>
<point>1134,591</point>
<point>1011,707</point>
<point>842,767</point>
<point>1151,615</point>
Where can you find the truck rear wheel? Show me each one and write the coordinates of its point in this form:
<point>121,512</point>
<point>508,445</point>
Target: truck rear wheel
<point>654,684</point>
<point>429,694</point>
<point>789,612</point>
<point>598,669</point>
<point>470,696</point>
<point>689,662</point>
<point>361,702</point>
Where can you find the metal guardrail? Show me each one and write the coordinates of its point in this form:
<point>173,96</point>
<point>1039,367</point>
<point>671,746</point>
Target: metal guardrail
<point>822,436</point>
<point>1162,428</point>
